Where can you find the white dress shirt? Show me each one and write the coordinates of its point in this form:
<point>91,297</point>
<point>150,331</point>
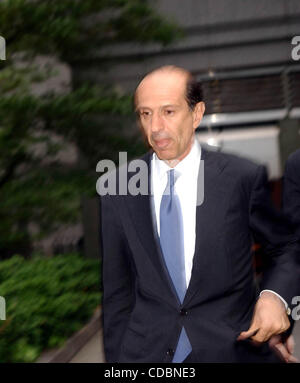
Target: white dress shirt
<point>186,189</point>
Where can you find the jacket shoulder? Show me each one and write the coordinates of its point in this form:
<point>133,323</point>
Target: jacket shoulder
<point>233,163</point>
<point>294,159</point>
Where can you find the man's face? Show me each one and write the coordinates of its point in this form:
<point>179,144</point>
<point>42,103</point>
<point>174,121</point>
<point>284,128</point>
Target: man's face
<point>165,117</point>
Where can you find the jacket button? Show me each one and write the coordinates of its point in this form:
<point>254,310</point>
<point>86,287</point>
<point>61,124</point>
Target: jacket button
<point>183,312</point>
<point>170,352</point>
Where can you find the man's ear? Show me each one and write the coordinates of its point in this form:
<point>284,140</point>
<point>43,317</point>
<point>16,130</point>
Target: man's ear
<point>198,114</point>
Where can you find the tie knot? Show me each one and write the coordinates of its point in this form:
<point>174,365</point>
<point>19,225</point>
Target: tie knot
<point>172,178</point>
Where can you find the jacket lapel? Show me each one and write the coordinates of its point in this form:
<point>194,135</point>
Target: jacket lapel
<point>210,205</point>
<point>142,213</point>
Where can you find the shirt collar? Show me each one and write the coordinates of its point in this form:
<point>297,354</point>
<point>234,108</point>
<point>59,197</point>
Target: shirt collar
<point>187,165</point>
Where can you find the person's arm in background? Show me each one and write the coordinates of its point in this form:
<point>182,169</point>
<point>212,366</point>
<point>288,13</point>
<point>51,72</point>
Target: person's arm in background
<point>281,272</point>
<point>291,209</point>
<point>117,280</point>
<point>291,191</point>
<point>291,198</point>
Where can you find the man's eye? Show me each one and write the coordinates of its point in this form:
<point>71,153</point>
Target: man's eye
<point>169,112</point>
<point>145,113</point>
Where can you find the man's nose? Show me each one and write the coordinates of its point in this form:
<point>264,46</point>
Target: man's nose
<point>156,122</point>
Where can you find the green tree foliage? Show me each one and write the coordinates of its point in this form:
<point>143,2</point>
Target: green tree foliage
<point>47,300</point>
<point>44,192</point>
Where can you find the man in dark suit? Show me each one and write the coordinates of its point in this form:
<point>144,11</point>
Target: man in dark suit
<point>178,281</point>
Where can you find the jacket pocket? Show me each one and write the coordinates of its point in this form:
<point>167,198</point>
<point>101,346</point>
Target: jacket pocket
<point>133,344</point>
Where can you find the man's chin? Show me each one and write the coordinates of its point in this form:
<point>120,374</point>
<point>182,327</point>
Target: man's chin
<point>168,157</point>
<point>164,155</point>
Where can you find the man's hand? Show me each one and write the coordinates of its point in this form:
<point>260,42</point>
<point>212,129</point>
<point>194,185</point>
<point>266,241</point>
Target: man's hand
<point>284,348</point>
<point>269,319</point>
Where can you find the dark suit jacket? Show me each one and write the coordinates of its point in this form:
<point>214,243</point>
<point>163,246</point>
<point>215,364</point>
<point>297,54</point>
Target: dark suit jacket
<point>142,316</point>
<point>291,198</point>
<point>291,189</point>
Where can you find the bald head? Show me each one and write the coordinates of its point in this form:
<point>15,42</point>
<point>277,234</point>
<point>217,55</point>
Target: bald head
<point>187,84</point>
<point>169,69</point>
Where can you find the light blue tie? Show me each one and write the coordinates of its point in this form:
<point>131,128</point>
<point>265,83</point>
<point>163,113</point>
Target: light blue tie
<point>171,241</point>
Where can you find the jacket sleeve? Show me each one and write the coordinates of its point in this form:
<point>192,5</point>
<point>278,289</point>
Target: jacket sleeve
<point>272,229</point>
<point>117,280</point>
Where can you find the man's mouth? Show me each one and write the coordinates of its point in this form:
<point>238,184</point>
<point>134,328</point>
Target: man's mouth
<point>163,143</point>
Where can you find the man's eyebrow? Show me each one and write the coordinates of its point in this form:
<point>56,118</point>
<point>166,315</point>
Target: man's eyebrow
<point>143,107</point>
<point>171,106</point>
<point>138,108</point>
